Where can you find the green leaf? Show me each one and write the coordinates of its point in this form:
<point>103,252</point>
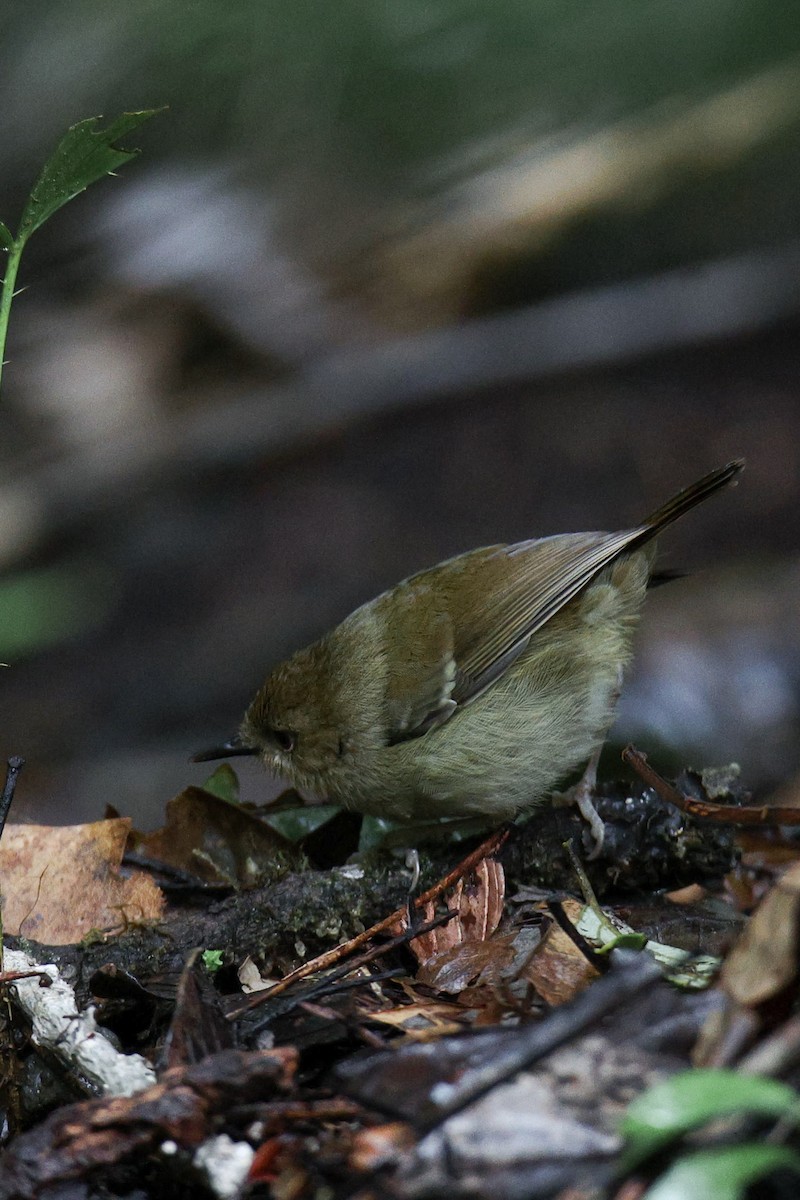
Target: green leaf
<point>677,1105</point>
<point>721,1174</point>
<point>379,834</point>
<point>85,154</point>
<point>212,960</point>
<point>6,237</point>
<point>223,783</point>
<point>297,823</point>
<point>625,941</point>
<point>373,833</point>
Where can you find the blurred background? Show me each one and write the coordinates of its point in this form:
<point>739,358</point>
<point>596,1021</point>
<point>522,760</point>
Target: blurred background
<point>390,281</point>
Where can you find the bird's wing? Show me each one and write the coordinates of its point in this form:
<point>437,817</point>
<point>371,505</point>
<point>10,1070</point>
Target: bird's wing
<point>486,605</point>
<point>467,645</point>
<point>535,579</point>
<point>423,674</point>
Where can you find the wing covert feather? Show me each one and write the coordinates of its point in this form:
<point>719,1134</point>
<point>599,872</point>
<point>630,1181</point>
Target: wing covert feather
<point>533,581</point>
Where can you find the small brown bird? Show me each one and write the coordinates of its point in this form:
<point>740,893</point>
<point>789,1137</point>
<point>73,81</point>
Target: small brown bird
<point>474,687</point>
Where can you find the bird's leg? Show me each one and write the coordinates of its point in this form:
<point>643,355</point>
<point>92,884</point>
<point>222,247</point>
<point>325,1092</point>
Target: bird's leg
<point>412,864</point>
<point>584,789</point>
<point>582,795</point>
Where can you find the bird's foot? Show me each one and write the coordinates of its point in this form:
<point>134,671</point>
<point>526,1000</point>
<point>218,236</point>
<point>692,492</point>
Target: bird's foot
<point>597,831</point>
<point>412,865</point>
<point>582,795</point>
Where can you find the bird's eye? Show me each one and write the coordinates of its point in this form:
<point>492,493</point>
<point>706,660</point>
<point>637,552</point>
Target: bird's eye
<point>285,739</point>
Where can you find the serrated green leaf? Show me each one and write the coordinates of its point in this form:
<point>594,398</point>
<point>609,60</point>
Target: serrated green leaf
<point>6,237</point>
<point>691,1098</point>
<point>85,154</point>
<point>721,1174</point>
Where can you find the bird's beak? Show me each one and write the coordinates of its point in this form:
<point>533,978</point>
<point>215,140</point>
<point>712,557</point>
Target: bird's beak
<point>231,749</point>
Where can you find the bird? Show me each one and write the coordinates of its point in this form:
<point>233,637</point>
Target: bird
<point>473,688</point>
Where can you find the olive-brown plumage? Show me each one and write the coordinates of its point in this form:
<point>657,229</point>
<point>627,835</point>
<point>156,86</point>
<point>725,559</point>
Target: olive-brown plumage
<point>472,688</point>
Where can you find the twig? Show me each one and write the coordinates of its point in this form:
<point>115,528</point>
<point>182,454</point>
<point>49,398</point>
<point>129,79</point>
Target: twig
<point>600,962</point>
<point>328,982</point>
<point>7,977</point>
<point>15,765</point>
<point>597,958</point>
<point>583,879</point>
<point>394,943</point>
<point>706,810</point>
<point>331,957</point>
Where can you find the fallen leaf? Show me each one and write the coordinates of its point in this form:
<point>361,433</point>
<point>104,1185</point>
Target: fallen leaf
<point>557,969</point>
<point>478,901</point>
<point>251,978</point>
<point>453,969</point>
<point>764,960</point>
<point>758,978</point>
<point>218,841</point>
<point>693,893</point>
<point>61,882</point>
<point>423,1021</point>
<point>381,1145</point>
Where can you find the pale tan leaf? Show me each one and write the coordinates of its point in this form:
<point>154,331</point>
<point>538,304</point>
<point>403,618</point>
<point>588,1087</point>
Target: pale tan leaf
<point>59,883</point>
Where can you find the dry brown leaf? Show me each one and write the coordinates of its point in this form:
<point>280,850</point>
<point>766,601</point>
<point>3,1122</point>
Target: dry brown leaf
<point>423,1021</point>
<point>759,976</point>
<point>693,893</point>
<point>557,969</point>
<point>381,1145</point>
<point>453,969</point>
<point>764,960</point>
<point>219,842</point>
<point>61,882</point>
<point>478,901</point>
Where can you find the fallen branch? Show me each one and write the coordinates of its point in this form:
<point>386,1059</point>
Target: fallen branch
<point>72,1036</point>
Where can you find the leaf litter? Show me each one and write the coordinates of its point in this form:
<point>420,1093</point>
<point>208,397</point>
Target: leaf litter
<point>493,1036</point>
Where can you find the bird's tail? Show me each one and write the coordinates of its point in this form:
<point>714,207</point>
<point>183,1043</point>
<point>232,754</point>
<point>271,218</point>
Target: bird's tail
<point>690,496</point>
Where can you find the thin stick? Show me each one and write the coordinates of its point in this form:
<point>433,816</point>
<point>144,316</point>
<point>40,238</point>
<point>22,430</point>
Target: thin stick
<point>331,957</point>
<point>589,894</point>
<point>15,765</point>
<point>705,810</point>
<point>331,982</point>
